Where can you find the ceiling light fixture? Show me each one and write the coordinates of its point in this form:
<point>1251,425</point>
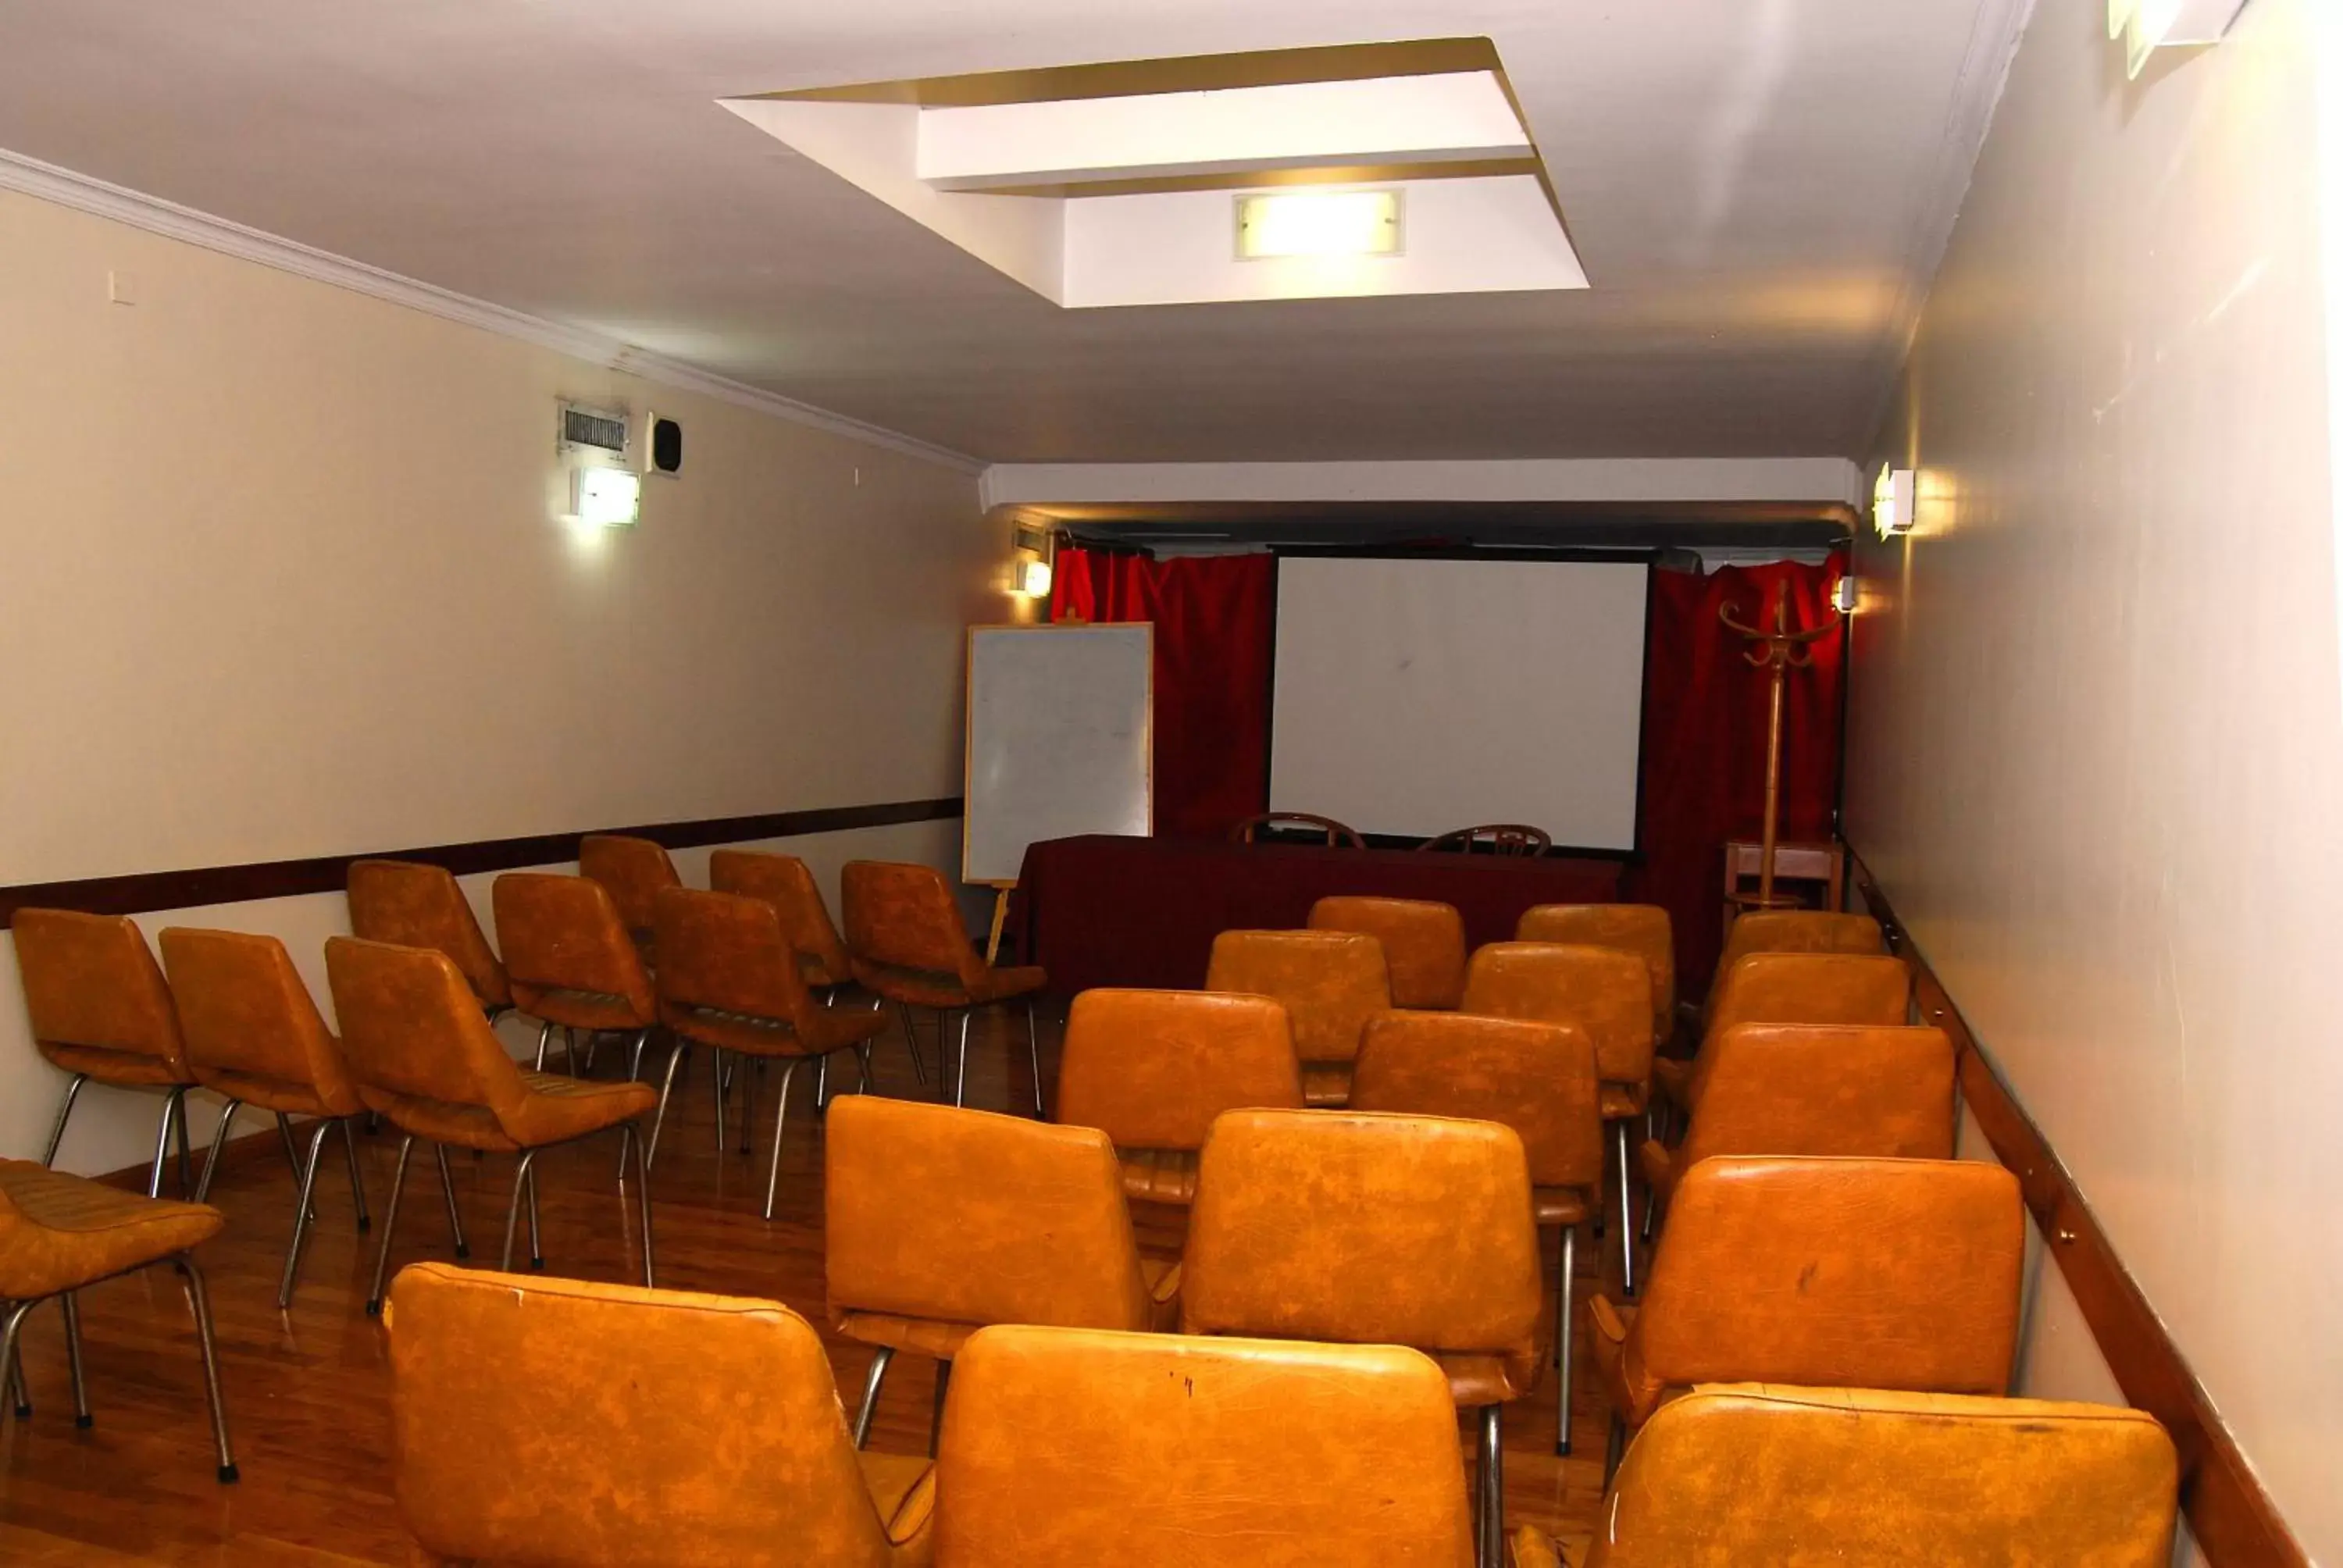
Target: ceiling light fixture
<point>1318,224</point>
<point>2146,25</point>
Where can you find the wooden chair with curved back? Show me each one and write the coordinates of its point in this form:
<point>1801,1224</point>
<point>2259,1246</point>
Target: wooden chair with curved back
<point>1337,835</point>
<point>1501,838</point>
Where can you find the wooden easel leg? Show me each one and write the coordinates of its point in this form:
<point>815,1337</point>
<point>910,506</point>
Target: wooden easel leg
<point>1000,919</point>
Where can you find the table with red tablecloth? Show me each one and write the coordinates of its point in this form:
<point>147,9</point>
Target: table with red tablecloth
<point>1106,910</point>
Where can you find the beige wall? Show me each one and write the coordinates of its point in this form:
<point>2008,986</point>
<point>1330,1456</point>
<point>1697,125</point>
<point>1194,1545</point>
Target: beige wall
<point>2095,754</point>
<point>280,577</point>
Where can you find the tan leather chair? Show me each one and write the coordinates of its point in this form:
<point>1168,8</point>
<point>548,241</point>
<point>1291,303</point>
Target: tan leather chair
<point>729,980</point>
<point>1791,988</point>
<point>1605,992</point>
<point>418,905</point>
<point>575,967</point>
<point>1537,1078</point>
<point>1424,944</point>
<point>428,1062</point>
<point>635,870</point>
<point>1827,1274</point>
<point>903,928</point>
<point>61,1235</point>
<point>941,1220</point>
<point>1734,1474</point>
<point>1644,930</point>
<point>1330,982</point>
<point>254,1038</point>
<point>1151,1068</point>
<point>787,883</point>
<point>1878,1091</point>
<point>553,1422</point>
<point>100,1009</point>
<point>1065,1448</point>
<point>1365,1229</point>
<point>1795,931</point>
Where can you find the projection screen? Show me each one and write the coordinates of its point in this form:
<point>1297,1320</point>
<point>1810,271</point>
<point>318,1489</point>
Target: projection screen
<point>1414,697</point>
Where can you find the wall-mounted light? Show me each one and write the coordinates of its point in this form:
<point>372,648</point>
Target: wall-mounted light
<point>2146,25</point>
<point>605,497</point>
<point>1891,502</point>
<point>1318,224</point>
<point>1843,597</point>
<point>1033,579</point>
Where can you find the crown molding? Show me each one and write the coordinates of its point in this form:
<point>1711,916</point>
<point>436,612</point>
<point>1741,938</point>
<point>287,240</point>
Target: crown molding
<point>84,193</point>
<point>1507,480</point>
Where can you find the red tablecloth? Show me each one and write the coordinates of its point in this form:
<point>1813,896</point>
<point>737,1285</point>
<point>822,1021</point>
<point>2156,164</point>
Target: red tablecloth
<point>1103,910</point>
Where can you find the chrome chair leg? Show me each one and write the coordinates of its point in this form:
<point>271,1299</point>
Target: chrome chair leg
<point>292,1155</point>
<point>1566,1268</point>
<point>357,1182</point>
<point>1492,1486</point>
<point>186,1154</point>
<point>512,1213</point>
<point>911,1043</point>
<point>174,1106</point>
<point>936,1419</point>
<point>70,1304</point>
<point>723,1082</point>
<point>447,1195</point>
<point>1614,1448</point>
<point>821,1084</point>
<point>194,1278</point>
<point>389,1226</point>
<point>19,1397</point>
<point>667,1089</point>
<point>65,1112</point>
<point>635,1054</point>
<point>543,1039</point>
<point>302,1213</point>
<point>1626,1219</point>
<point>748,1082</point>
<point>878,1375</point>
<point>1033,1050</point>
<point>862,1067</point>
<point>631,1137</point>
<point>960,1078</point>
<point>219,1141</point>
<point>780,1125</point>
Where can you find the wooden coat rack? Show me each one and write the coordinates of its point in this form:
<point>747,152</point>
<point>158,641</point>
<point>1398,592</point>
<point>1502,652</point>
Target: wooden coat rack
<point>1779,650</point>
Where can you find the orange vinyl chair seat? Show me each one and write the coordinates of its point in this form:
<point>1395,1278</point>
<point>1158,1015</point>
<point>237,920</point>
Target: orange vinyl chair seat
<point>570,954</point>
<point>1331,983</point>
<point>418,905</point>
<point>1793,988</point>
<point>60,1233</point>
<point>787,883</point>
<point>635,871</point>
<point>1424,944</point>
<point>1644,930</point>
<point>1793,932</point>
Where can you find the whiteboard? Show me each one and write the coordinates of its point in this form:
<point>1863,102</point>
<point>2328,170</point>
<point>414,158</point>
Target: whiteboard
<point>1061,739</point>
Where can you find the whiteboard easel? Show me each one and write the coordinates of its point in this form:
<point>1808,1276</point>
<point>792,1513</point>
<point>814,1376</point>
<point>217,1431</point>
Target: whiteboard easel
<point>1059,741</point>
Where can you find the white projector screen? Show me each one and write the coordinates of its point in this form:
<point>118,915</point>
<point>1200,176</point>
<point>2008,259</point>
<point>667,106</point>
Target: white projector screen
<point>1417,697</point>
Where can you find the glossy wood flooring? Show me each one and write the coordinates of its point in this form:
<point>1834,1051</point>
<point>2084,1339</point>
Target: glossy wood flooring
<point>309,1390</point>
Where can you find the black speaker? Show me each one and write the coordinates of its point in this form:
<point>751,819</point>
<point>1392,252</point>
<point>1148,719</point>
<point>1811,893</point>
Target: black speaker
<point>667,446</point>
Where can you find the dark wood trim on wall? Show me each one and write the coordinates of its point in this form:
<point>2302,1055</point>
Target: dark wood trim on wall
<point>2236,1522</point>
<point>146,890</point>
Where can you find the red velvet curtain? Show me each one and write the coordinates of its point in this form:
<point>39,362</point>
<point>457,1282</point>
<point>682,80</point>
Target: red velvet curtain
<point>1215,615</point>
<point>1704,718</point>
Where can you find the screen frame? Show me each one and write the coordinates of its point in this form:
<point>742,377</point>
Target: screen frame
<point>1648,559</point>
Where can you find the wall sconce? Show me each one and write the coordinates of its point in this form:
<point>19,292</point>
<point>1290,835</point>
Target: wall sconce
<point>2146,25</point>
<point>1033,579</point>
<point>1891,502</point>
<point>1844,596</point>
<point>605,497</point>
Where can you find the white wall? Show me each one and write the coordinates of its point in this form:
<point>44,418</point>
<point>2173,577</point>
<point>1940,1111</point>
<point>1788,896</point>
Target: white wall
<point>281,577</point>
<point>2095,747</point>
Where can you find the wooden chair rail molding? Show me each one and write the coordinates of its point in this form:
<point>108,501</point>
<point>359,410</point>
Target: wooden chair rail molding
<point>2236,1523</point>
<point>146,890</point>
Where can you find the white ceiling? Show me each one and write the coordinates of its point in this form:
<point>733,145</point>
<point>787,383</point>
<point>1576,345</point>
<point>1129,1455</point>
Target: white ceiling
<point>1758,189</point>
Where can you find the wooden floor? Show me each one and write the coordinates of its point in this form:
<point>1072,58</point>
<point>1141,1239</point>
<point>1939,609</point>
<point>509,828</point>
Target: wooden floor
<point>309,1390</point>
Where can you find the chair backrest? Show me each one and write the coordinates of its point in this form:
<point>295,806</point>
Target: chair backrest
<point>729,953</point>
<point>967,1217</point>
<point>1152,1068</point>
<point>246,1015</point>
<point>1502,838</point>
<point>787,883</point>
<point>634,869</point>
<point>1330,982</point>
<point>90,981</point>
<point>1602,990</point>
<point>903,916</point>
<point>1337,835</point>
<point>1644,930</point>
<point>418,905</point>
<point>1807,987</point>
<point>628,1427</point>
<point>1538,1079</point>
<point>1423,943</point>
<point>1833,1273</point>
<point>411,1028</point>
<point>1065,1448</point>
<point>1883,1091</point>
<point>1735,1474</point>
<point>1798,931</point>
<point>565,933</point>
<point>1366,1229</point>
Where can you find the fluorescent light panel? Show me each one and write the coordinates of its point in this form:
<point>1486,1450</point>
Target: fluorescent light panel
<point>1318,224</point>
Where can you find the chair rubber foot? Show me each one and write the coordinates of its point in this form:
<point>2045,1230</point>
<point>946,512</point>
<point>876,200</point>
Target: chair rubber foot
<point>229,1475</point>
<point>24,1412</point>
<point>85,1421</point>
<point>374,1307</point>
<point>364,1225</point>
<point>463,1252</point>
<point>537,1265</point>
<point>1561,1450</point>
